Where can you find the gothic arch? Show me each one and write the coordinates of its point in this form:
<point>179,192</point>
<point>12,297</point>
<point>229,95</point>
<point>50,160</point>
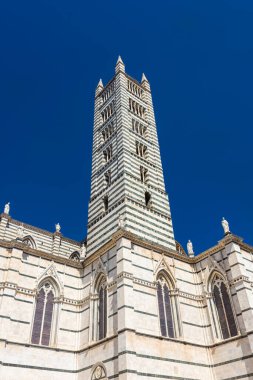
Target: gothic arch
<point>168,306</point>
<point>163,267</point>
<point>100,270</point>
<point>29,240</point>
<point>220,305</point>
<point>51,274</point>
<point>211,268</point>
<point>75,256</point>
<point>98,372</point>
<point>99,301</point>
<point>46,311</point>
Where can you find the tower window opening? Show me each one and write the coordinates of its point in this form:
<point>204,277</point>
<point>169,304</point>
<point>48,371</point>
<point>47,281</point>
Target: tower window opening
<point>107,153</point>
<point>108,92</point>
<point>137,108</point>
<point>141,149</point>
<point>134,89</point>
<point>143,174</point>
<point>139,128</point>
<point>107,112</point>
<point>106,202</point>
<point>147,198</point>
<point>107,132</point>
<point>108,178</point>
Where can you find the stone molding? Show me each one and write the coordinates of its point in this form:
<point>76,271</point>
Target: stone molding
<point>37,229</point>
<point>36,252</point>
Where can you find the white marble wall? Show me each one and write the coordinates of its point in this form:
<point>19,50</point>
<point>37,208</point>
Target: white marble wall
<point>134,347</point>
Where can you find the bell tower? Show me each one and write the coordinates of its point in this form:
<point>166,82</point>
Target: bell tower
<point>127,178</point>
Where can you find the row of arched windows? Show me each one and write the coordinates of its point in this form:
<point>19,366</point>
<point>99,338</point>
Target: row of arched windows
<point>223,317</point>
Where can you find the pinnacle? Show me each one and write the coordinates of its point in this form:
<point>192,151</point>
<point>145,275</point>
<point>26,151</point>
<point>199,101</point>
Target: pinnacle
<point>100,83</point>
<point>143,78</point>
<point>120,60</point>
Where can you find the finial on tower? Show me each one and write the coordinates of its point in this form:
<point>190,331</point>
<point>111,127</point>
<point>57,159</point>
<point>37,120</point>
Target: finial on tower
<point>119,65</point>
<point>143,78</point>
<point>145,82</point>
<point>100,83</point>
<point>100,86</point>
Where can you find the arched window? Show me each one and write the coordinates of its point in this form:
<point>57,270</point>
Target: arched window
<point>102,309</point>
<point>99,307</point>
<point>224,308</point>
<point>147,198</point>
<point>42,324</point>
<point>165,308</point>
<point>106,202</point>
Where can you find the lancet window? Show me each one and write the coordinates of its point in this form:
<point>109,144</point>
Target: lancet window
<point>106,202</point>
<point>43,317</point>
<point>134,89</point>
<point>108,92</point>
<point>139,128</point>
<point>108,131</point>
<point>147,198</point>
<point>107,153</point>
<point>100,309</point>
<point>143,174</point>
<point>136,108</point>
<point>141,149</point>
<point>165,307</point>
<point>224,309</point>
<point>108,178</point>
<point>107,112</point>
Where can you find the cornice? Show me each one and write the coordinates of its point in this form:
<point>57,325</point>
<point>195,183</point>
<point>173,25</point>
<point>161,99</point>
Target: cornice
<point>35,252</point>
<point>37,229</point>
<point>227,239</point>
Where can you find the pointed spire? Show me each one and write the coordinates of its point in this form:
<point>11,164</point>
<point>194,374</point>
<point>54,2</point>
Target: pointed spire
<point>144,82</point>
<point>143,78</point>
<point>119,65</point>
<point>120,60</point>
<point>100,87</point>
<point>100,83</point>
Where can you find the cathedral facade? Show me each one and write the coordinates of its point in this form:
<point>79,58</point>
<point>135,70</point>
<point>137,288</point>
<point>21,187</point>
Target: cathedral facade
<point>127,303</point>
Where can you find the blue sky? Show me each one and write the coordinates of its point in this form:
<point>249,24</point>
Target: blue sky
<point>198,57</point>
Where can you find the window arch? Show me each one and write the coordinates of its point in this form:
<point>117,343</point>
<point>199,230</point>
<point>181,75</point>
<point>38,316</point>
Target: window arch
<point>224,309</point>
<point>28,240</point>
<point>43,316</point>
<point>98,372</point>
<point>75,256</point>
<point>100,309</point>
<point>165,307</point>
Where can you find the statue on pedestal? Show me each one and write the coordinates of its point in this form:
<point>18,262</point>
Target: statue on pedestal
<point>121,221</point>
<point>190,249</point>
<point>225,226</point>
<point>57,227</point>
<point>83,251</point>
<point>7,208</point>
